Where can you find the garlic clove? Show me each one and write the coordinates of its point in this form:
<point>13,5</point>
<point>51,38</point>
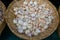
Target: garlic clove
<point>46,12</point>
<point>24,27</point>
<point>15,8</point>
<point>16,13</point>
<point>20,31</point>
<point>29,34</point>
<point>38,30</point>
<point>15,21</point>
<point>31,2</point>
<point>29,26</point>
<point>20,22</point>
<point>35,3</point>
<point>35,34</point>
<point>51,17</point>
<point>46,26</point>
<point>27,31</point>
<point>19,27</point>
<point>25,23</point>
<point>33,18</point>
<point>33,15</point>
<point>47,23</point>
<point>25,3</point>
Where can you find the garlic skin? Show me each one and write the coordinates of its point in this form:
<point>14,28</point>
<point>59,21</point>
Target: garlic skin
<point>32,19</point>
<point>46,26</point>
<point>20,22</point>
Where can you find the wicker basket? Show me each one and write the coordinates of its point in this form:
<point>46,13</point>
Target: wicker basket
<point>9,16</point>
<point>59,22</point>
<point>2,24</point>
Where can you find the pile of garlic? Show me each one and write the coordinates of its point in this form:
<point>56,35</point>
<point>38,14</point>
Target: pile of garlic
<point>31,18</point>
<point>1,14</point>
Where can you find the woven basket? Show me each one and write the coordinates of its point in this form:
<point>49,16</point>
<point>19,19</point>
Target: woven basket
<point>2,24</point>
<point>59,22</point>
<point>9,16</point>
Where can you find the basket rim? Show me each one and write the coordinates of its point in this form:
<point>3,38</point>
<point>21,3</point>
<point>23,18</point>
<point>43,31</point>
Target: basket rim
<point>2,24</point>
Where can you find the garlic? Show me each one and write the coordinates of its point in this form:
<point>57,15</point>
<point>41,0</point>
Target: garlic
<point>30,34</point>
<point>19,27</point>
<point>31,2</point>
<point>38,15</point>
<point>47,23</point>
<point>26,16</point>
<point>35,3</point>
<point>29,21</point>
<point>43,5</point>
<point>50,20</point>
<point>16,13</point>
<point>27,31</point>
<point>32,9</point>
<point>15,21</point>
<point>33,18</point>
<point>24,27</point>
<point>38,31</point>
<point>22,17</point>
<point>29,26</point>
<point>25,23</point>
<point>20,22</point>
<point>51,17</point>
<point>42,16</point>
<point>46,12</point>
<point>33,15</point>
<point>41,24</point>
<point>20,30</point>
<point>15,8</point>
<point>25,3</point>
<point>35,34</point>
<point>40,7</point>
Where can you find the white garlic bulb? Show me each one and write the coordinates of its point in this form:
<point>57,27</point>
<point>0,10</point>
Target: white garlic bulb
<point>25,3</point>
<point>15,21</point>
<point>35,3</point>
<point>31,2</point>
